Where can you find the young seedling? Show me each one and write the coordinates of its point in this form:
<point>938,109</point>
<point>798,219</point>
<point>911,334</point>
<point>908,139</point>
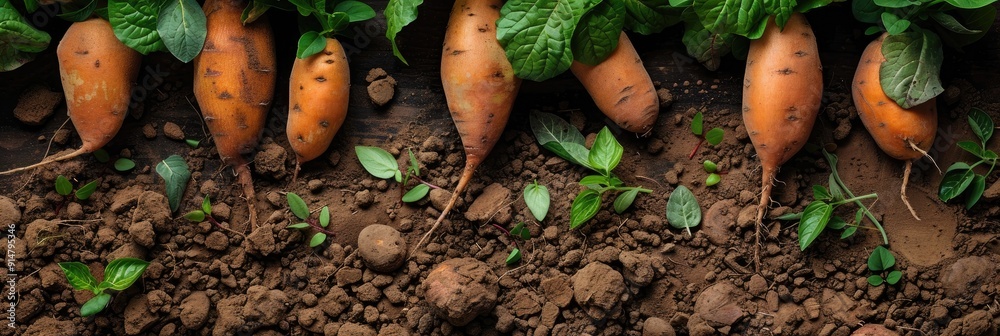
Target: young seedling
<point>713,136</point>
<point>119,275</point>
<point>558,136</point>
<point>124,165</point>
<point>519,234</point>
<point>193,143</point>
<point>536,196</point>
<point>381,164</point>
<point>64,187</point>
<point>175,174</point>
<point>881,264</point>
<point>300,210</point>
<point>960,179</point>
<point>205,213</point>
<point>683,210</point>
<point>819,214</point>
<point>714,176</point>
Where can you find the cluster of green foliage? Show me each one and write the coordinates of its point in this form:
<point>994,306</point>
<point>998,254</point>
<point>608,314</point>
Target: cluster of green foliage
<point>301,211</point>
<point>381,164</point>
<point>119,275</point>
<point>64,187</point>
<point>961,179</point>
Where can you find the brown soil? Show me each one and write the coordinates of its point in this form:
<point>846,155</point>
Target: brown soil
<point>628,274</point>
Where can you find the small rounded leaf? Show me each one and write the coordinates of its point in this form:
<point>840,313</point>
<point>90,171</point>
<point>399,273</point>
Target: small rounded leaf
<point>123,164</point>
<point>712,179</point>
<point>86,190</point>
<point>514,256</point>
<point>95,305</point>
<point>317,239</point>
<point>324,216</point>
<point>196,216</point>
<point>893,277</point>
<point>102,155</point>
<point>710,166</point>
<point>63,187</point>
<point>298,226</point>
<point>875,280</point>
<point>416,193</point>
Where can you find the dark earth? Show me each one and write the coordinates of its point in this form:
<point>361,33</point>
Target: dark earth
<point>628,274</point>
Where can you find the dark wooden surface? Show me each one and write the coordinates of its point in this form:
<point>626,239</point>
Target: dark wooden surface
<point>419,99</point>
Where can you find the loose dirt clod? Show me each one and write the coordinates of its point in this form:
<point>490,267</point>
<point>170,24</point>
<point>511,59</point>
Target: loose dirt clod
<point>600,290</point>
<point>381,91</point>
<point>458,290</point>
<point>36,104</point>
<point>381,248</point>
<point>173,131</point>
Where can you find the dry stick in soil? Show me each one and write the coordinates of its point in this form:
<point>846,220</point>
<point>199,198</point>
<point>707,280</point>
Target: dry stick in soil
<point>97,71</point>
<point>904,134</point>
<point>479,97</point>
<point>785,61</point>
<point>234,84</point>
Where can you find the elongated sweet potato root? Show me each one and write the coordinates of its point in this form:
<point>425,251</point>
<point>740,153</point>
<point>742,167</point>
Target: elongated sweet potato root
<point>621,88</point>
<point>904,134</point>
<point>318,92</point>
<point>234,83</point>
<point>97,71</point>
<point>479,84</point>
<point>782,91</point>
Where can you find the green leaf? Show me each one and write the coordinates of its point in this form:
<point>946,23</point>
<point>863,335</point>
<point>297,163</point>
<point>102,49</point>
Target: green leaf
<point>514,256</point>
<point>975,189</point>
<point>63,186</point>
<point>317,239</point>
<point>193,143</point>
<point>875,280</point>
<point>584,207</point>
<point>95,305</point>
<point>356,10</point>
<point>697,124</point>
<point>518,230</point>
<point>310,44</point>
<point>873,30</point>
<point>19,40</point>
<point>714,136</point>
<point>560,137</point>
<point>414,164</point>
<point>836,223</point>
<point>594,180</point>
<point>298,206</point>
<point>705,46</point>
<point>31,5</point>
<point>835,191</point>
<point>377,161</point>
<point>848,232</point>
<point>398,175</point>
<point>710,166</point>
<point>803,6</point>
<point>86,190</point>
<point>78,275</point>
<point>123,164</point>
<point>896,3</point>
<point>76,12</point>
<point>972,147</point>
<point>820,193</point>
<point>894,24</point>
<point>418,192</point>
<point>206,205</point>
<point>536,196</point>
<point>121,273</point>
<point>910,74</point>
<point>324,216</point>
<point>298,226</point>
<point>731,16</point>
<point>954,183</point>
<point>398,14</point>
<point>814,220</point>
<point>257,8</point>
<point>606,152</point>
<point>597,34</point>
<point>175,175</point>
<point>881,259</point>
<point>196,216</point>
<point>893,277</point>
<point>866,11</point>
<point>101,155</point>
<point>781,9</point>
<point>683,211</point>
<point>624,200</point>
<point>712,179</point>
<point>981,124</point>
<point>135,22</point>
<point>536,35</point>
<point>980,20</point>
<point>970,4</point>
<point>182,28</point>
<point>951,23</point>
<point>652,16</point>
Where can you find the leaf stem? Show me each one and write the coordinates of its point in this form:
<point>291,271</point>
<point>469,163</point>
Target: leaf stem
<point>858,198</point>
<point>836,176</point>
<point>640,189</point>
<point>314,225</point>
<point>696,147</point>
<point>507,232</point>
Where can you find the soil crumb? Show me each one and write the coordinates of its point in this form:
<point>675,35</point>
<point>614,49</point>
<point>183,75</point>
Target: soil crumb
<point>381,87</point>
<point>36,104</point>
<point>172,131</point>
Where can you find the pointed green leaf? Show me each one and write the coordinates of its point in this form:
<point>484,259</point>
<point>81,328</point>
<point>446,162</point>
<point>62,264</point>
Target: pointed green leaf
<point>514,256</point>
<point>182,26</point>
<point>536,196</point>
<point>377,162</point>
<point>814,220</point>
<point>175,173</point>
<point>134,23</point>
<point>683,211</point>
<point>414,164</point>
<point>310,44</point>
<point>972,147</point>
<point>206,205</point>
<point>848,232</point>
<point>121,273</point>
<point>606,152</point>
<point>584,207</point>
<point>196,216</point>
<point>324,216</point>
<point>95,305</point>
<point>624,200</point>
<point>193,143</point>
<point>881,259</point>
<point>981,124</point>
<point>697,124</point>
<point>298,206</point>
<point>398,14</point>
<point>790,216</point>
<point>86,190</point>
<point>954,183</point>
<point>78,275</point>
<point>835,191</point>
<point>910,74</point>
<point>63,186</point>
<point>820,193</point>
<point>836,223</point>
<point>298,226</point>
<point>975,191</point>
<point>418,192</point>
<point>317,239</point>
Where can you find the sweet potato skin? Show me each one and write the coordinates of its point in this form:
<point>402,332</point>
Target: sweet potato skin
<point>234,78</point>
<point>478,81</point>
<point>97,72</point>
<point>318,93</point>
<point>892,127</point>
<point>622,88</point>
<point>782,90</point>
